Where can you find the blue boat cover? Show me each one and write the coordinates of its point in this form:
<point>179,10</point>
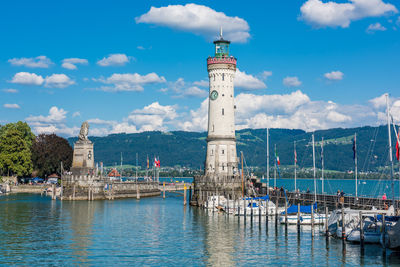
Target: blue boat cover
<point>303,209</point>
<point>258,198</point>
<point>387,218</point>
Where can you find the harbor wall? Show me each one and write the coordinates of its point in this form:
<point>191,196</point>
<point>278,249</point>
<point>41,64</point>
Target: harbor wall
<point>78,187</point>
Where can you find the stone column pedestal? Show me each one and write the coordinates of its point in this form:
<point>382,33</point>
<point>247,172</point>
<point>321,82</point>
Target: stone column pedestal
<point>83,159</point>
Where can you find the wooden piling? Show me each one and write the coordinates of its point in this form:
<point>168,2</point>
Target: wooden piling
<point>383,231</point>
<point>184,195</point>
<point>286,222</point>
<point>53,191</point>
<point>326,222</point>
<point>163,196</point>
<point>343,225</point>
<point>244,207</point>
<point>276,205</point>
<point>298,216</point>
<point>251,209</point>
<point>312,220</point>
<point>137,191</point>
<point>73,193</point>
<point>259,210</point>
<point>227,208</point>
<point>361,230</point>
<point>267,211</point>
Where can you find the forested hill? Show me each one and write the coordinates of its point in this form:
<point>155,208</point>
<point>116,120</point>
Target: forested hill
<point>189,148</point>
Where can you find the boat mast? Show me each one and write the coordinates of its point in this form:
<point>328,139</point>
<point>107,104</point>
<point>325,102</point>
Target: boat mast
<point>295,165</point>
<point>275,166</point>
<point>390,148</point>
<point>267,160</point>
<point>313,154</point>
<point>241,156</point>
<point>322,164</point>
<point>355,162</point>
<point>121,165</point>
<point>136,164</point>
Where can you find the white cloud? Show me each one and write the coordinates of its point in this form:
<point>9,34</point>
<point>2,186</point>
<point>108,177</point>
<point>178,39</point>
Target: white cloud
<point>56,115</point>
<point>197,19</point>
<point>70,63</point>
<point>114,60</point>
<point>265,74</point>
<point>76,114</point>
<point>375,27</point>
<point>54,80</point>
<point>101,122</point>
<point>11,91</point>
<point>332,14</point>
<point>248,81</point>
<point>129,82</point>
<point>202,83</point>
<point>379,102</point>
<point>58,81</point>
<point>37,62</point>
<point>152,117</point>
<point>334,75</point>
<point>198,119</point>
<point>291,81</point>
<point>11,106</point>
<point>27,78</point>
<point>140,47</point>
<point>194,91</point>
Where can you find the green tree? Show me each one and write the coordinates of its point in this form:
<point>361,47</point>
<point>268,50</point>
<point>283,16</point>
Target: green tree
<point>48,151</point>
<point>24,130</point>
<point>15,154</point>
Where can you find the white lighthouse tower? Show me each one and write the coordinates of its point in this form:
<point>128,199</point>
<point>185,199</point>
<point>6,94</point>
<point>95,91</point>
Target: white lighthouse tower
<point>221,175</point>
<point>221,143</point>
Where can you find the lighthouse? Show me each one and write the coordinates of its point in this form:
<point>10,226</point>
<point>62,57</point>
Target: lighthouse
<point>221,175</point>
<point>221,156</point>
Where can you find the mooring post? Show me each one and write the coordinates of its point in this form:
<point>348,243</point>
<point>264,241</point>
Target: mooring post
<point>259,210</point>
<point>137,190</point>
<point>267,211</point>
<point>251,210</point>
<point>213,207</point>
<point>184,194</point>
<point>286,213</point>
<point>298,216</point>
<point>163,195</point>
<point>361,230</point>
<point>53,191</point>
<point>384,231</point>
<point>343,225</point>
<point>227,208</point>
<point>326,221</point>
<point>244,207</point>
<point>312,220</point>
<point>73,193</point>
<point>276,205</point>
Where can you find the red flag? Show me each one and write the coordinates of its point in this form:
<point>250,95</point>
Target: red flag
<point>397,147</point>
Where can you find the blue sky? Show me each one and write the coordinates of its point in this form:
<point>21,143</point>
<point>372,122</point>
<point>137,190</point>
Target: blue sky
<point>129,66</point>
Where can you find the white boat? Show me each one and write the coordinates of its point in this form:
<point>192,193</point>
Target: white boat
<point>352,219</point>
<point>305,219</point>
<point>215,202</point>
<point>256,207</point>
<point>372,232</point>
<point>391,239</point>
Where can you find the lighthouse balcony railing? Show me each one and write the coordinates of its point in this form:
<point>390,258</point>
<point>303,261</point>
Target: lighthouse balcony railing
<point>221,60</point>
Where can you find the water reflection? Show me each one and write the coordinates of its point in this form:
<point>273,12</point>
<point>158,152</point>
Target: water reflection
<point>157,232</point>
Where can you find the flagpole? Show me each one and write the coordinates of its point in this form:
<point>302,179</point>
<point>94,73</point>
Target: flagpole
<point>322,163</point>
<point>121,165</point>
<point>390,148</point>
<point>275,167</point>
<point>147,166</point>
<point>295,165</point>
<point>268,161</point>
<point>315,182</point>
<point>355,162</point>
<point>136,165</point>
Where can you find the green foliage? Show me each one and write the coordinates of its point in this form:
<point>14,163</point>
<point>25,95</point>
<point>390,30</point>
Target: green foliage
<point>48,151</point>
<point>24,130</point>
<point>15,153</point>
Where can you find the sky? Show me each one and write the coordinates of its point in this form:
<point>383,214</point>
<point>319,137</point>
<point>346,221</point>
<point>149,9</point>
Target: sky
<point>133,66</point>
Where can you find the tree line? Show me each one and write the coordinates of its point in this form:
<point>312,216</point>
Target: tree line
<point>23,154</point>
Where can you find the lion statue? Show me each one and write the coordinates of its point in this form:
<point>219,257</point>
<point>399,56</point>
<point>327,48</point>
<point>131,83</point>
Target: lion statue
<point>83,134</point>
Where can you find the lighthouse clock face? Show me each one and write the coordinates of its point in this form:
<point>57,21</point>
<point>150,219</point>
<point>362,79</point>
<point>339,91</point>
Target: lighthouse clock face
<point>214,95</point>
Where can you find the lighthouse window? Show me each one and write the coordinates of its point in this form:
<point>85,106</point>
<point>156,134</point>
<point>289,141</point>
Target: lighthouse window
<point>222,111</point>
<point>222,167</point>
<point>214,76</point>
<point>223,76</point>
<point>222,151</point>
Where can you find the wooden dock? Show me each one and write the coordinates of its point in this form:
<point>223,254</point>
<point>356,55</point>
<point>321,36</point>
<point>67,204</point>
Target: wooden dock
<point>332,201</point>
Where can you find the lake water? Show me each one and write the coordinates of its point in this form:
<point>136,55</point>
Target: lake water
<point>155,232</point>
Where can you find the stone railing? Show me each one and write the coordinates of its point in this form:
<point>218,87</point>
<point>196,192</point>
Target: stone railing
<point>221,60</point>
